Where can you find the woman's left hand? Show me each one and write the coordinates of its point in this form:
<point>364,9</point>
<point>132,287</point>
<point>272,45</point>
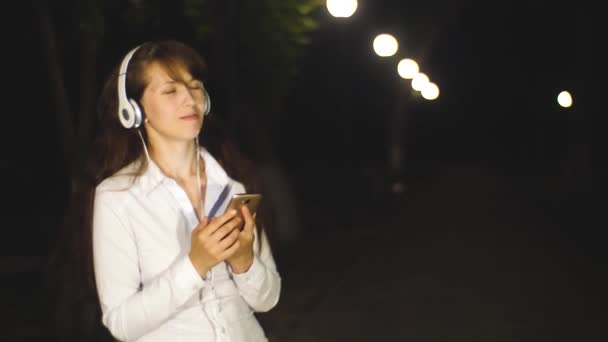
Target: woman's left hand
<point>242,258</point>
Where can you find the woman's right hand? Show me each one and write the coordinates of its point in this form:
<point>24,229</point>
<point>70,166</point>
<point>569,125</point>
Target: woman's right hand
<point>213,241</point>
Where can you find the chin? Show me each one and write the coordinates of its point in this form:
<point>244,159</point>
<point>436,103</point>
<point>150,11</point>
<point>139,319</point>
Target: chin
<point>185,135</point>
<point>191,136</point>
<point>191,132</point>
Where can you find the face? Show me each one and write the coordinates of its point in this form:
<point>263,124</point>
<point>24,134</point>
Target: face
<point>173,109</point>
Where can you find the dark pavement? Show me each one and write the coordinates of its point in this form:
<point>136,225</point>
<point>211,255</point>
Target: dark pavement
<point>465,254</point>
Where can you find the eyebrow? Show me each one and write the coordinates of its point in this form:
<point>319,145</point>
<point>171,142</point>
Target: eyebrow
<point>172,81</point>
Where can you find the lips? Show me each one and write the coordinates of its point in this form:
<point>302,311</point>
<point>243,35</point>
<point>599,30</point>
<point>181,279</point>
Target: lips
<point>189,117</point>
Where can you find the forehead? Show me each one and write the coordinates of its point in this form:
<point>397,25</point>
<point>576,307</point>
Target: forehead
<point>157,73</point>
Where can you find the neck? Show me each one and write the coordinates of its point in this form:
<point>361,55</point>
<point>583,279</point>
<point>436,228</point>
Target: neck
<point>176,159</point>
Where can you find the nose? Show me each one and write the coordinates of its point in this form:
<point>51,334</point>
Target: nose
<point>189,97</point>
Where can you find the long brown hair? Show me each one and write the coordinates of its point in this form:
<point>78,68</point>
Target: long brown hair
<point>115,147</point>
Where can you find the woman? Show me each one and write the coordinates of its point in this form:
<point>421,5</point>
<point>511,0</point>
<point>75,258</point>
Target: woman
<point>164,270</point>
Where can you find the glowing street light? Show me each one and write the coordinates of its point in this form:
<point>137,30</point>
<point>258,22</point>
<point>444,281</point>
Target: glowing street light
<point>564,99</point>
<point>430,91</point>
<point>419,81</point>
<point>341,8</point>
<point>407,68</point>
<point>385,45</point>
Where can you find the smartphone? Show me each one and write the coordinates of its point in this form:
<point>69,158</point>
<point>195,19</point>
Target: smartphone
<point>251,200</point>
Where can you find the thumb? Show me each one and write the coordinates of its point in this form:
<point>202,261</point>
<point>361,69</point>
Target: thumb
<point>253,218</point>
<point>252,225</point>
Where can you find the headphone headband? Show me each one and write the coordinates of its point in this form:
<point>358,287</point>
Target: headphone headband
<point>128,110</point>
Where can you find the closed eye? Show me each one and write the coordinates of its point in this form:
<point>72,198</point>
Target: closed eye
<point>196,85</point>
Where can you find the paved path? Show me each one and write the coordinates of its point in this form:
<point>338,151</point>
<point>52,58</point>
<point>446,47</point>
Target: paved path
<point>468,254</point>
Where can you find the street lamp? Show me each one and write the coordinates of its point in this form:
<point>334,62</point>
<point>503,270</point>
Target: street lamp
<point>419,81</point>
<point>430,91</point>
<point>564,99</point>
<point>385,45</point>
<point>407,68</point>
<point>341,8</point>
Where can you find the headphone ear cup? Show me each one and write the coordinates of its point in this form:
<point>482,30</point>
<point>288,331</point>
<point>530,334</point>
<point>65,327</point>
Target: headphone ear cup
<point>137,114</point>
<point>207,103</point>
<point>126,115</point>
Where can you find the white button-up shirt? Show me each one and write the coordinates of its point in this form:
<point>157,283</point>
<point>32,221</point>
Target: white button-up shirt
<point>148,288</point>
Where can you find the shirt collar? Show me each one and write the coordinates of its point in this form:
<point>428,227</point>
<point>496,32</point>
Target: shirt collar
<point>153,176</point>
<point>215,172</point>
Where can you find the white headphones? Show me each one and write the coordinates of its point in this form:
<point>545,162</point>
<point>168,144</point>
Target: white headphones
<point>129,113</point>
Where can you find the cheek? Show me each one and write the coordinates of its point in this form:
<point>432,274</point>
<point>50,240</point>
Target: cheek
<point>200,100</point>
<point>157,111</point>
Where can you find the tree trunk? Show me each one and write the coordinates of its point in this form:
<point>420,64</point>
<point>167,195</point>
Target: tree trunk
<point>88,90</point>
<point>60,97</point>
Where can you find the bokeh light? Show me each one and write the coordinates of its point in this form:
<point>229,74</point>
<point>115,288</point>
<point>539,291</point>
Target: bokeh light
<point>341,8</point>
<point>385,45</point>
<point>407,68</point>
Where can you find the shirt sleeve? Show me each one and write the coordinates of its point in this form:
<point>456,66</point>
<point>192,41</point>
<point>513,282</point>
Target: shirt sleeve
<point>260,286</point>
<point>128,310</point>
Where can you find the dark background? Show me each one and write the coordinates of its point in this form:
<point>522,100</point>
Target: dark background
<point>499,67</point>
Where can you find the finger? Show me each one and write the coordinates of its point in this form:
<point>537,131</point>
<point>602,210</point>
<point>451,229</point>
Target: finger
<point>219,221</point>
<point>229,240</point>
<point>227,228</point>
<point>246,213</point>
<point>248,219</point>
<point>228,252</point>
<point>236,223</point>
